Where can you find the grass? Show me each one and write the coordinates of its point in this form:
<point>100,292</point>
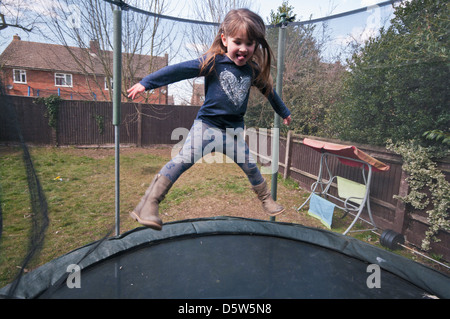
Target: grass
<point>79,185</point>
<point>79,190</point>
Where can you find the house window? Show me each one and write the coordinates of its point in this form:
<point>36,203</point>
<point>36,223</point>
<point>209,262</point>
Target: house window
<point>110,83</point>
<point>62,79</point>
<point>20,76</point>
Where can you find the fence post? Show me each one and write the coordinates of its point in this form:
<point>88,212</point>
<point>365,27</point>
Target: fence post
<point>400,208</point>
<point>54,134</point>
<point>287,157</point>
<point>139,125</point>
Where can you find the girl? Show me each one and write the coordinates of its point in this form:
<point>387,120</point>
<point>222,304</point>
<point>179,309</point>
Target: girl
<point>238,58</point>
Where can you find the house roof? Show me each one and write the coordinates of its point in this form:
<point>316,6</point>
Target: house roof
<point>59,58</point>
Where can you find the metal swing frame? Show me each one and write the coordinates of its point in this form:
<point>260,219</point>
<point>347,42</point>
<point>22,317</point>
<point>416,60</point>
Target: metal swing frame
<point>322,187</point>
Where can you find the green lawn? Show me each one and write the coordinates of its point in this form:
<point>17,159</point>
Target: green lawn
<point>79,187</point>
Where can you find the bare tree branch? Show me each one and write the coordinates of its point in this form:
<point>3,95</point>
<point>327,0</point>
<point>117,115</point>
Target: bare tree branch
<point>142,35</point>
<point>4,24</point>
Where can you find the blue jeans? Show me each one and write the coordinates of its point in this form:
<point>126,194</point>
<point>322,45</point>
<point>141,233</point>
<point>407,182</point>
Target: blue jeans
<point>202,140</point>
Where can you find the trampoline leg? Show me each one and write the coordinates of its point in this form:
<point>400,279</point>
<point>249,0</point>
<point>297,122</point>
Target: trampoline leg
<point>146,212</point>
<point>264,195</point>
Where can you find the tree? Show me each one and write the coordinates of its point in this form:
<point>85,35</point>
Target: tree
<point>15,15</point>
<point>397,87</point>
<point>275,16</point>
<point>76,23</point>
<point>11,15</point>
<point>310,86</point>
<point>259,112</point>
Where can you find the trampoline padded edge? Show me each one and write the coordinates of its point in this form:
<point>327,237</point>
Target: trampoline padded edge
<point>55,272</point>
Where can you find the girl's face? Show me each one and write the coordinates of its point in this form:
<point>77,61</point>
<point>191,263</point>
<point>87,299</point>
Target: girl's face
<point>239,48</point>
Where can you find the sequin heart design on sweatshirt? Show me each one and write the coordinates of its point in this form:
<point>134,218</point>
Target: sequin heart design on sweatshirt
<point>235,89</point>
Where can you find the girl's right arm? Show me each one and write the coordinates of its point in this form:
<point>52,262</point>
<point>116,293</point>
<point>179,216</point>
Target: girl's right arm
<point>167,75</point>
<point>134,90</point>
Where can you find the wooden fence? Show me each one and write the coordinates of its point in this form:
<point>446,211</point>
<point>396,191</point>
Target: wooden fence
<point>90,123</point>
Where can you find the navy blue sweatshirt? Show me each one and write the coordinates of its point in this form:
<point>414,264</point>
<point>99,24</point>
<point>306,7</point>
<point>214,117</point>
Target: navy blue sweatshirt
<point>227,89</point>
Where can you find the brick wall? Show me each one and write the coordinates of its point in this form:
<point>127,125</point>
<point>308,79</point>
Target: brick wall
<point>42,83</point>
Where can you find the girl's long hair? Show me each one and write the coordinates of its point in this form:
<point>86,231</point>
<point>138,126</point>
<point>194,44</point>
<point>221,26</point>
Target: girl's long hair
<point>252,24</point>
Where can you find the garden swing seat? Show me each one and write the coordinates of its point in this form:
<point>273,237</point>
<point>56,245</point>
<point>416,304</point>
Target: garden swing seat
<point>352,196</point>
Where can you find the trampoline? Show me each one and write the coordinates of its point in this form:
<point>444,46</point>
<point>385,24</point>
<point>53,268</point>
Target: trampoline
<point>232,258</point>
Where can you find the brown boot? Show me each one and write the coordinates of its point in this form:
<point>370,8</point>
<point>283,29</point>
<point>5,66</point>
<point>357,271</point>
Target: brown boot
<point>269,205</point>
<point>146,212</point>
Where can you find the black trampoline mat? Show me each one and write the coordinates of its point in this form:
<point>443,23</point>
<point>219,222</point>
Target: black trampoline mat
<point>233,266</point>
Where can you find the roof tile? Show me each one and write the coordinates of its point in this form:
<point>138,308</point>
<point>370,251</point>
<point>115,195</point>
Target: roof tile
<point>53,57</point>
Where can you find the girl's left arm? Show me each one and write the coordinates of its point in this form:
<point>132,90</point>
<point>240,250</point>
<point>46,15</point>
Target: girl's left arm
<point>279,107</point>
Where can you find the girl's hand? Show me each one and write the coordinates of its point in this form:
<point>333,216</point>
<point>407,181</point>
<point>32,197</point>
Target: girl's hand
<point>287,120</point>
<point>135,89</point>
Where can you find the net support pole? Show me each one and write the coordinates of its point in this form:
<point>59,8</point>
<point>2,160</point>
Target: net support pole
<point>117,87</point>
<point>276,122</point>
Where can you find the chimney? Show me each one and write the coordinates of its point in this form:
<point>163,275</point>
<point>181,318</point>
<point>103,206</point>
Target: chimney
<point>16,37</point>
<point>94,46</point>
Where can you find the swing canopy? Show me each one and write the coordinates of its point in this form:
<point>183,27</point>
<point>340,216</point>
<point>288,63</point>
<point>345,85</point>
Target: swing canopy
<point>348,151</point>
